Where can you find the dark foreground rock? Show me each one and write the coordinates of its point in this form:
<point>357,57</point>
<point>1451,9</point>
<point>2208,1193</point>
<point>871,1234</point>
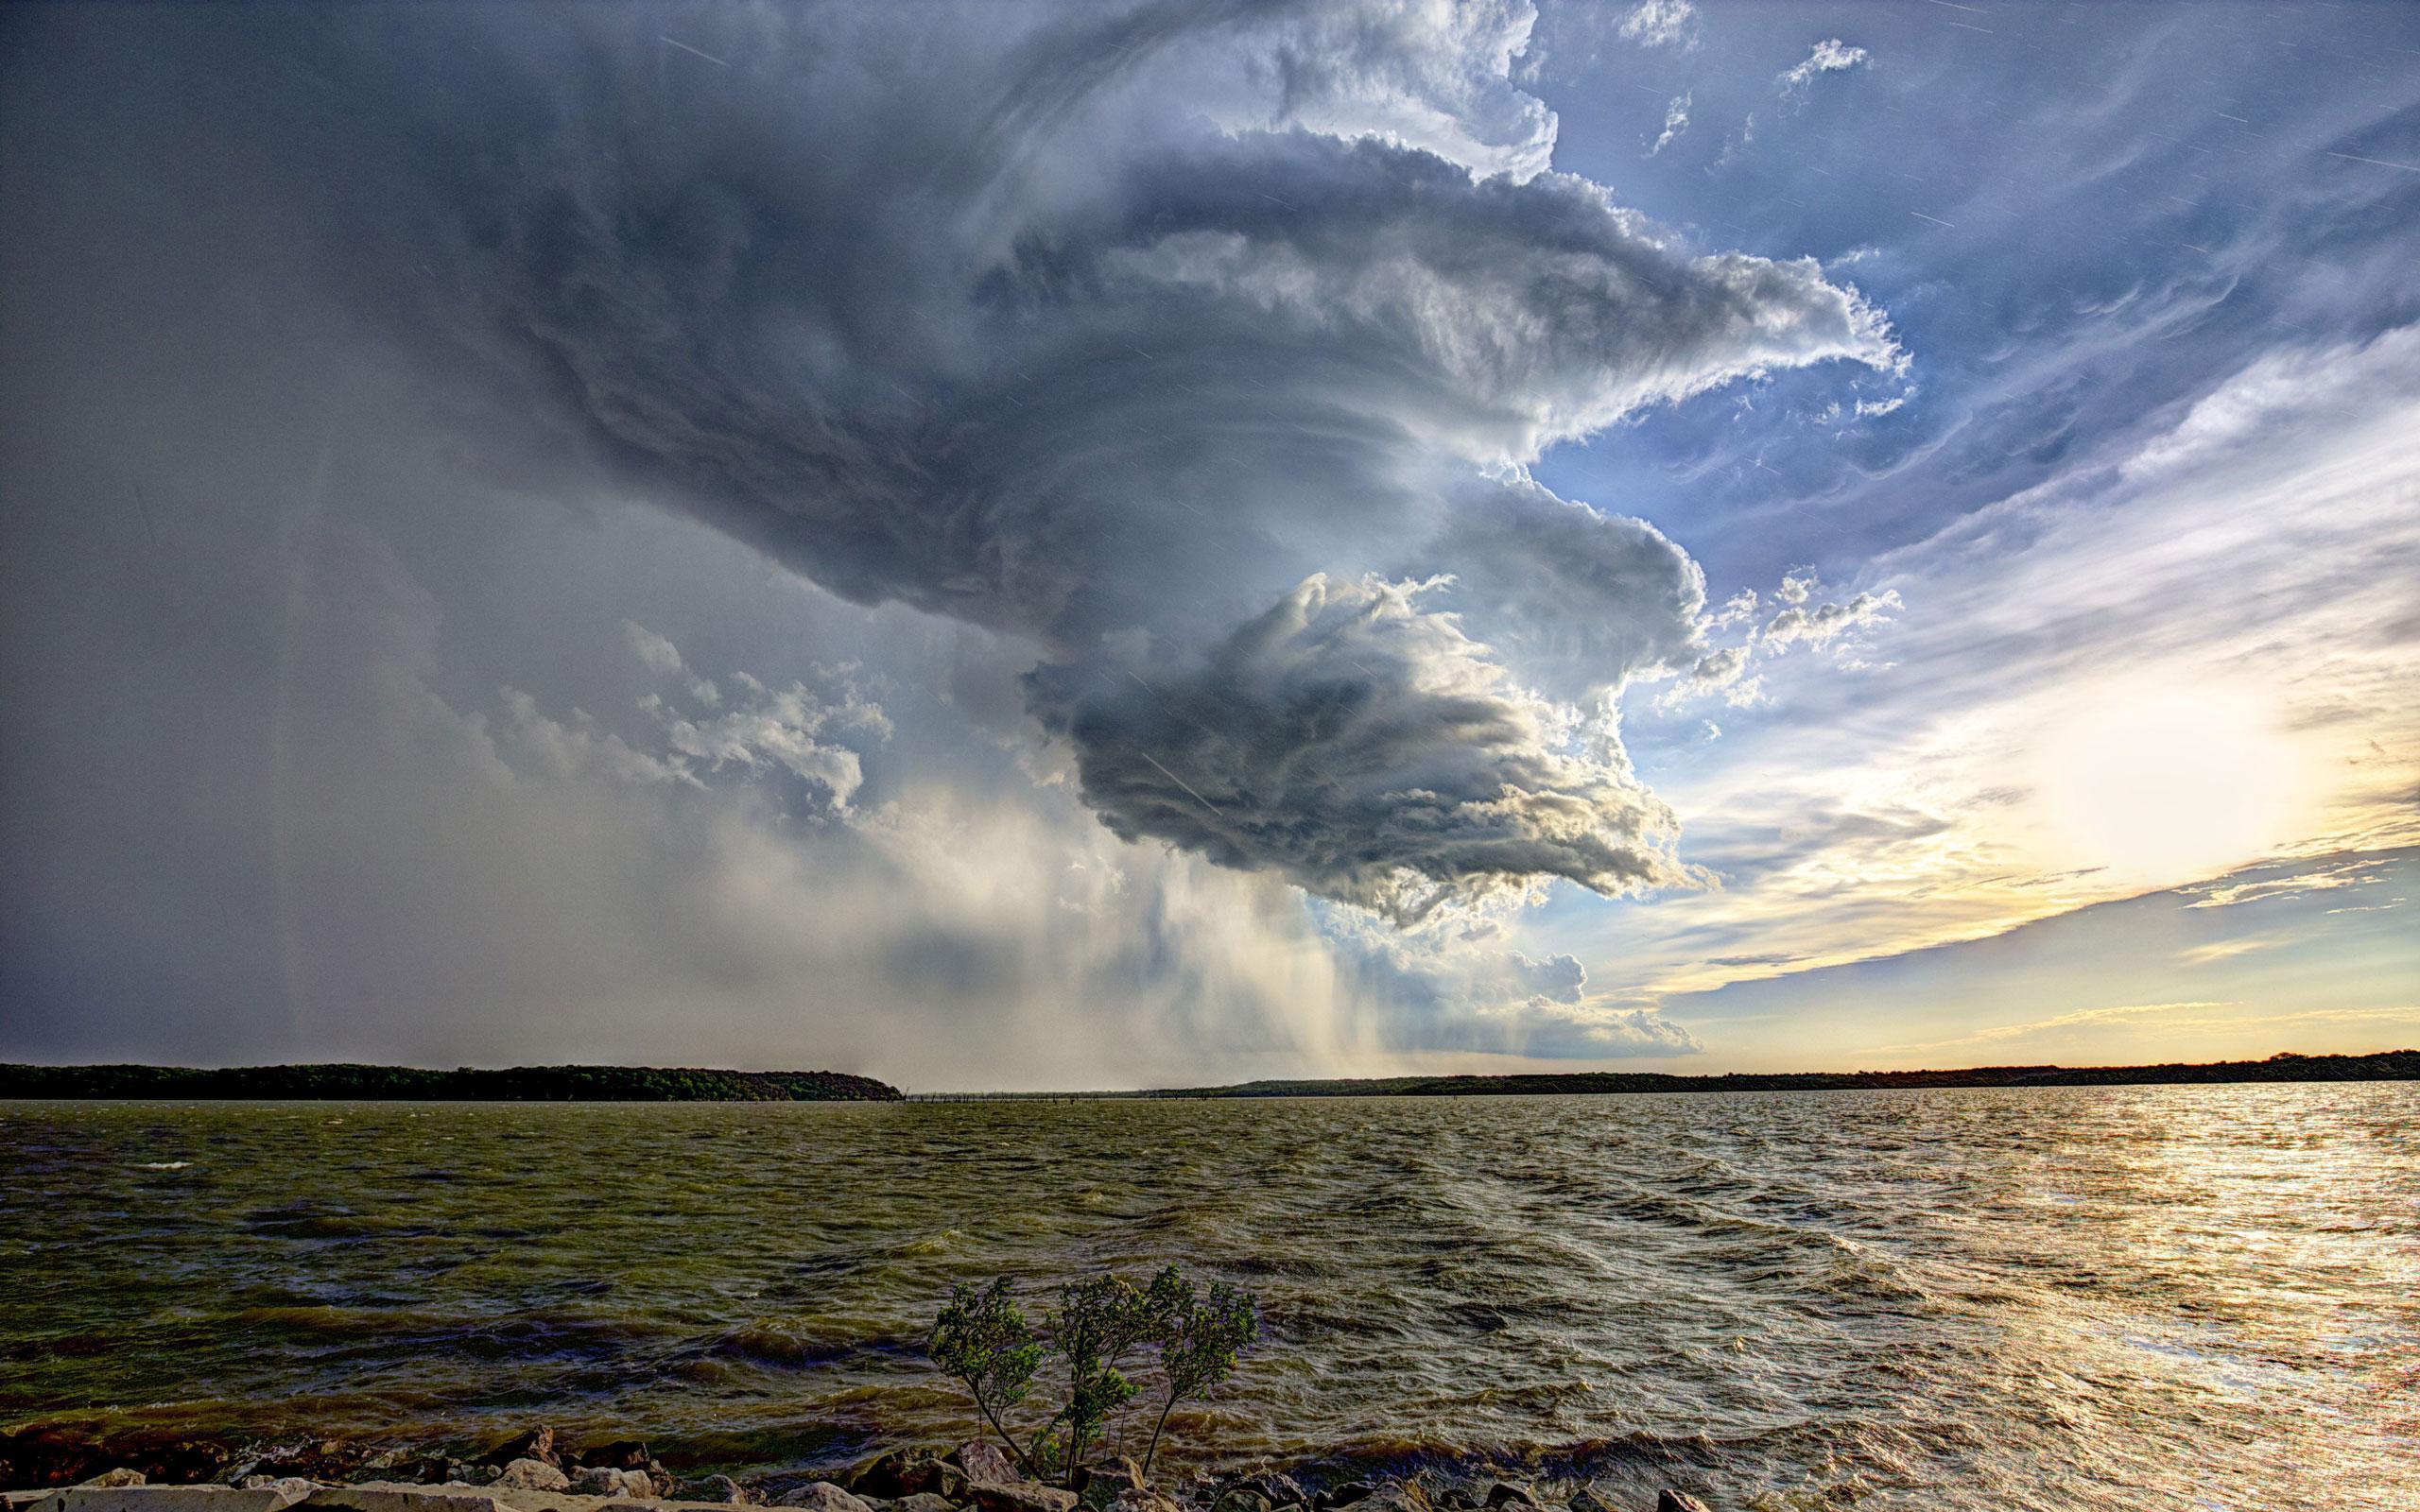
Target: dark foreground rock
<point>537,1444</point>
<point>534,1472</point>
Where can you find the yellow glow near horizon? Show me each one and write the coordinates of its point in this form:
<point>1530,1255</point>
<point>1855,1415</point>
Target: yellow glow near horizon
<point>2172,783</point>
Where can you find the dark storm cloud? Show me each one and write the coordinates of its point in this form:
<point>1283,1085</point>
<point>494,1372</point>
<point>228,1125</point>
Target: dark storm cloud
<point>1108,331</point>
<point>1366,748</point>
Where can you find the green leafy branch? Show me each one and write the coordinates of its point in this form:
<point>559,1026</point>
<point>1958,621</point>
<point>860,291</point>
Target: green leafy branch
<point>1100,1326</point>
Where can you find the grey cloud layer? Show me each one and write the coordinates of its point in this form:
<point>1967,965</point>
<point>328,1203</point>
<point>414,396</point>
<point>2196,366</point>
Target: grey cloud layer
<point>1110,333</point>
<point>1366,748</point>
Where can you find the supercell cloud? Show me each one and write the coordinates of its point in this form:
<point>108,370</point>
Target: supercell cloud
<point>1075,337</point>
<point>1202,350</point>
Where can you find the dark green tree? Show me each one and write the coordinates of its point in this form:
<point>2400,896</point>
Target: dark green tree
<point>1199,1338</point>
<point>1101,1319</point>
<point>1101,1323</point>
<point>982,1338</point>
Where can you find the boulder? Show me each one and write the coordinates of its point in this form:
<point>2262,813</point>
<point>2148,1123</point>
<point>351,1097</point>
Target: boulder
<point>1240,1498</point>
<point>292,1488</point>
<point>530,1475</point>
<point>904,1472</point>
<point>1102,1484</point>
<point>1586,1500</point>
<point>606,1480</point>
<point>823,1496</point>
<point>922,1502</point>
<point>1142,1499</point>
<point>720,1488</point>
<point>110,1479</point>
<point>1020,1496</point>
<point>1275,1488</point>
<point>987,1464</point>
<point>538,1444</point>
<point>1350,1492</point>
<point>1669,1500</point>
<point>1506,1494</point>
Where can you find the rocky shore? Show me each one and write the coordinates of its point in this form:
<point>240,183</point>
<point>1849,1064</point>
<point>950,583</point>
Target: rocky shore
<point>530,1474</point>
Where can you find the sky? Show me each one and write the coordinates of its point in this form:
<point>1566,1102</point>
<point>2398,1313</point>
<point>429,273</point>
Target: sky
<point>1006,546</point>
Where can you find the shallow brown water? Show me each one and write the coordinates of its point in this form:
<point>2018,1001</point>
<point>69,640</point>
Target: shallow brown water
<point>2141,1298</point>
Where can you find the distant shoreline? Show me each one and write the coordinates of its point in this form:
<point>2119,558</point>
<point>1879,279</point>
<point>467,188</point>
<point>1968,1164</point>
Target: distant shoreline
<point>2386,1065</point>
<point>646,1084</point>
<point>347,1082</point>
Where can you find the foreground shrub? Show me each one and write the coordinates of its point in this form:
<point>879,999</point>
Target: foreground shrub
<point>1103,1327</point>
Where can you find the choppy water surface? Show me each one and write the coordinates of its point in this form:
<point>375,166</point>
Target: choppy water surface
<point>2164,1296</point>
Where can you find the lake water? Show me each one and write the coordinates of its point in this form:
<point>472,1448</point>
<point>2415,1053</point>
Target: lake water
<point>2087,1297</point>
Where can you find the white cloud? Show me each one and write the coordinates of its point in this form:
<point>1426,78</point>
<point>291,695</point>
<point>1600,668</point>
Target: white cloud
<point>1830,56</point>
<point>655,652</point>
<point>1676,120</point>
<point>1662,24</point>
<point>1821,624</point>
<point>2281,883</point>
<point>1438,78</point>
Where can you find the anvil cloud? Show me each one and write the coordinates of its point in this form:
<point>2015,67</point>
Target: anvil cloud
<point>1190,380</point>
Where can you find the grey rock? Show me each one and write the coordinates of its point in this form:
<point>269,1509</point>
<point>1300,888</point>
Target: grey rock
<point>1142,1499</point>
<point>149,1498</point>
<point>720,1488</point>
<point>1277,1488</point>
<point>398,1498</point>
<point>1350,1492</point>
<point>1102,1484</point>
<point>531,1476</point>
<point>110,1479</point>
<point>987,1464</point>
<point>1020,1496</point>
<point>1586,1500</point>
<point>922,1502</point>
<point>1505,1492</point>
<point>904,1472</point>
<point>823,1496</point>
<point>607,1480</point>
<point>1669,1500</point>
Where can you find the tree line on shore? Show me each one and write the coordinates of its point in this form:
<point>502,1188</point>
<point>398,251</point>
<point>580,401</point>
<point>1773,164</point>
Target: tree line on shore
<point>516,1083</point>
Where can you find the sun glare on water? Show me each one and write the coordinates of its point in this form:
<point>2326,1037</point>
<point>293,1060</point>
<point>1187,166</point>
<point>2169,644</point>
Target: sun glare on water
<point>2166,784</point>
